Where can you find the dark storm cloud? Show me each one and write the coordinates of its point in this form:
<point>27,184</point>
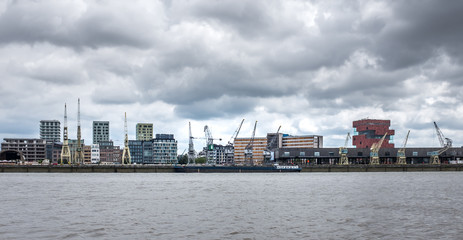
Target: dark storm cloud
<point>225,107</point>
<point>419,29</point>
<point>72,24</point>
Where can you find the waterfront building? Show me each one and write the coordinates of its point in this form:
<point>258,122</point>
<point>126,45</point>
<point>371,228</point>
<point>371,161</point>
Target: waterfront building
<point>141,152</point>
<point>95,154</point>
<point>50,130</point>
<point>369,131</point>
<point>87,150</point>
<point>260,143</point>
<point>304,156</point>
<point>110,154</point>
<point>220,154</point>
<point>32,149</point>
<point>282,141</point>
<point>100,131</point>
<point>144,131</point>
<point>165,149</point>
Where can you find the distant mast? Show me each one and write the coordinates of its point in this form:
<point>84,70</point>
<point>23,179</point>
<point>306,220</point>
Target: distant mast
<point>79,155</point>
<point>65,152</point>
<point>126,152</point>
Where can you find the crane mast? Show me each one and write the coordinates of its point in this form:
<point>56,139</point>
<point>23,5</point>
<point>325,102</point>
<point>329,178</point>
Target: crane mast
<point>374,157</point>
<point>191,148</point>
<point>401,158</point>
<point>248,150</point>
<point>209,145</point>
<point>65,152</point>
<point>344,160</point>
<point>445,145</point>
<point>79,154</point>
<point>126,159</point>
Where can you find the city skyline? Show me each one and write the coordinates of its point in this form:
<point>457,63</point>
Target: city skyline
<point>311,67</point>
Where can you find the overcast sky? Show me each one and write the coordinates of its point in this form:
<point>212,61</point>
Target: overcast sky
<point>312,67</point>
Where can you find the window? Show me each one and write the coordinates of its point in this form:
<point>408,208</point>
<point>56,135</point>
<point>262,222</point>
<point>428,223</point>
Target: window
<point>302,154</point>
<point>331,154</point>
<point>286,154</point>
<point>415,154</point>
<point>359,154</point>
<point>316,154</point>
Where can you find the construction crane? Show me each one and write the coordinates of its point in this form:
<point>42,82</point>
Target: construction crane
<point>343,159</point>
<point>65,151</point>
<point>249,148</point>
<point>374,157</point>
<point>235,134</point>
<point>191,148</point>
<point>79,154</point>
<point>401,158</point>
<point>445,143</point>
<point>268,149</point>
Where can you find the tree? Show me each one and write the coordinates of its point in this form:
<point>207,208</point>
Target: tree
<point>182,159</point>
<point>200,160</point>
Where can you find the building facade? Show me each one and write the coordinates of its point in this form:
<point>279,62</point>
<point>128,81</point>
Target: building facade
<point>274,141</point>
<point>260,143</point>
<point>50,130</point>
<point>32,149</point>
<point>305,156</point>
<point>165,149</point>
<point>95,155</point>
<point>369,131</point>
<point>144,131</point>
<point>110,154</point>
<point>100,131</point>
<point>141,152</point>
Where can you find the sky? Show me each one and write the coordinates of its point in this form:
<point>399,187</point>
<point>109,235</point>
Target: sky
<point>311,67</point>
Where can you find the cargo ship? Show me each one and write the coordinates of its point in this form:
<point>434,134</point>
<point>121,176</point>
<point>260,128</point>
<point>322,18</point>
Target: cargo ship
<point>220,168</point>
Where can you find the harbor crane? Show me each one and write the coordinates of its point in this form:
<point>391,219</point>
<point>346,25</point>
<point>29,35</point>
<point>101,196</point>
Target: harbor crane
<point>270,146</point>
<point>248,150</point>
<point>235,134</point>
<point>343,159</point>
<point>401,158</point>
<point>445,143</point>
<point>374,157</point>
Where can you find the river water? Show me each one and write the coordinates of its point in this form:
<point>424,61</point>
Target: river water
<point>406,205</point>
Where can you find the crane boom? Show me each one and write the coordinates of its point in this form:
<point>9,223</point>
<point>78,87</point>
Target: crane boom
<point>248,150</point>
<point>344,160</point>
<point>444,144</point>
<point>191,148</point>
<point>235,134</point>
<point>374,157</point>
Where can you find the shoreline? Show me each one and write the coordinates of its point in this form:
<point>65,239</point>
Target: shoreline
<point>171,169</point>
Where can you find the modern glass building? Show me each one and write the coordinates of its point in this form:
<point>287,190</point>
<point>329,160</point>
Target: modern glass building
<point>50,130</point>
<point>100,131</point>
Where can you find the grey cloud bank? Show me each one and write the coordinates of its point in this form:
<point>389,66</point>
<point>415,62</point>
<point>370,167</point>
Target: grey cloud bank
<point>311,66</point>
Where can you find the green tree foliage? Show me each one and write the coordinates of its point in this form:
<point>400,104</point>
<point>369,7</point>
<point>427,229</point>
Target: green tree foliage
<point>183,159</point>
<point>200,160</point>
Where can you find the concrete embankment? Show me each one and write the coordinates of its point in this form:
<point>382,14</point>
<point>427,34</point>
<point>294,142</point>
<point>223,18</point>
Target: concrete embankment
<point>87,168</point>
<point>170,169</point>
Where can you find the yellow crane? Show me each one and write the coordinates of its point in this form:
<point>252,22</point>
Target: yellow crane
<point>343,160</point>
<point>374,157</point>
<point>445,143</point>
<point>401,158</point>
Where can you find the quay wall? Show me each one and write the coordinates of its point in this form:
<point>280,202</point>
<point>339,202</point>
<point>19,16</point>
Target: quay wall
<point>170,169</point>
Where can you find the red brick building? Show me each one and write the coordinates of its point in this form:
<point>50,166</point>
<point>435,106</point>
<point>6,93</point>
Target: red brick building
<point>369,131</point>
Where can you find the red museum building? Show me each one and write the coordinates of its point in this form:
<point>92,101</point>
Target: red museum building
<point>369,131</point>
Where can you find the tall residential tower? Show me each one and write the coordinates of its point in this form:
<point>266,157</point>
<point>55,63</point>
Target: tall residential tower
<point>50,130</point>
<point>144,131</point>
<point>100,131</point>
